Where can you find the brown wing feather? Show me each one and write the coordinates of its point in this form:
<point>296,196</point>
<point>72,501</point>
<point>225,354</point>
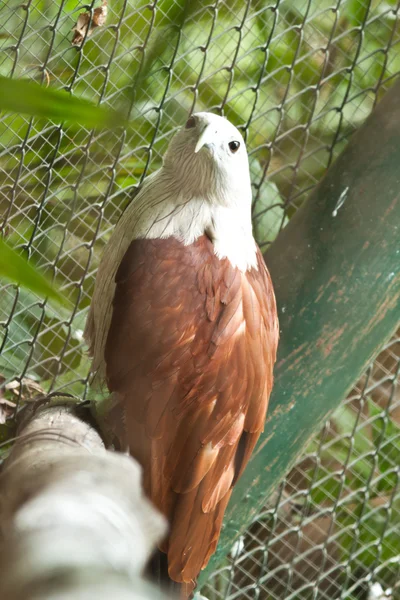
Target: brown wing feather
<point>189,357</point>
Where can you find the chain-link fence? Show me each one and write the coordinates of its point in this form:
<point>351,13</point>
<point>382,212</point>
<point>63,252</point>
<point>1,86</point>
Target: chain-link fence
<point>333,528</point>
<point>298,77</point>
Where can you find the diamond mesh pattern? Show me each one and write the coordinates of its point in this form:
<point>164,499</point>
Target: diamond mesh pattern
<point>298,77</point>
<point>332,529</point>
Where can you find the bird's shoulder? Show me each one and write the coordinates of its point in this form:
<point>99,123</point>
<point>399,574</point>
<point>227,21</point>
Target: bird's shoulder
<point>181,284</point>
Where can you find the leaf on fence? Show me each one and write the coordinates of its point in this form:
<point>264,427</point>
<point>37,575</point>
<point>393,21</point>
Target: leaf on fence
<point>15,267</point>
<point>7,409</point>
<point>23,96</point>
<point>6,406</point>
<point>85,20</point>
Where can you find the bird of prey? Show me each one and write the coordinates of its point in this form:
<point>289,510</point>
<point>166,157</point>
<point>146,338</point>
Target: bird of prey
<point>183,329</point>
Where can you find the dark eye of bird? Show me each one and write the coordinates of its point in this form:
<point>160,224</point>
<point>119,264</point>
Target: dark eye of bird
<point>190,123</point>
<point>234,146</point>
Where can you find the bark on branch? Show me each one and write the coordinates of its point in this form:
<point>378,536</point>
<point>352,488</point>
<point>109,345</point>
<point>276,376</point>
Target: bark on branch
<point>73,518</point>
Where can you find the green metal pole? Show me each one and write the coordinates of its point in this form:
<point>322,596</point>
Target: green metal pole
<point>336,271</point>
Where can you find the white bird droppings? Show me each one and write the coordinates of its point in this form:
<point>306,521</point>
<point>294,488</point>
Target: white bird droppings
<point>376,592</point>
<point>341,201</point>
<point>78,335</point>
<point>237,547</point>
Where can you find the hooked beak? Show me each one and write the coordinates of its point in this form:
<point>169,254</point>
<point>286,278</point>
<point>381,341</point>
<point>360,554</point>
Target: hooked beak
<point>206,137</point>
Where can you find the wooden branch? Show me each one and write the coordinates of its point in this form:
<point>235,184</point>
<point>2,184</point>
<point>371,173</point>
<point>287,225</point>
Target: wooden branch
<point>73,518</point>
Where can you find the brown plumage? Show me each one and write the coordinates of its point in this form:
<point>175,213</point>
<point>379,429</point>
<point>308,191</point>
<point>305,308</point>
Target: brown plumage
<point>189,358</point>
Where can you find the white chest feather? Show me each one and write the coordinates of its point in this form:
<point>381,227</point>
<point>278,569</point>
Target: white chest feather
<point>161,211</point>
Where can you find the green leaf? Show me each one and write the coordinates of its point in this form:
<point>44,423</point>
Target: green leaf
<point>23,96</point>
<point>15,267</point>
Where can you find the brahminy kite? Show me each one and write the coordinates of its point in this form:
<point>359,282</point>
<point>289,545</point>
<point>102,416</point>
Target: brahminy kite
<point>183,329</point>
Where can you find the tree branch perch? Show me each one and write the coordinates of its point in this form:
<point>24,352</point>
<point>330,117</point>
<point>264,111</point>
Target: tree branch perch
<point>73,518</point>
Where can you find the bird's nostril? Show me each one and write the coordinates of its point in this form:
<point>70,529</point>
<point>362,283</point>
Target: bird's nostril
<point>190,123</point>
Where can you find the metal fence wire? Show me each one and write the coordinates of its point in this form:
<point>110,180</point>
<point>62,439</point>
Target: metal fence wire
<point>298,77</point>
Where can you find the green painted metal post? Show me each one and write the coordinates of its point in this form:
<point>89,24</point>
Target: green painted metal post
<point>336,271</point>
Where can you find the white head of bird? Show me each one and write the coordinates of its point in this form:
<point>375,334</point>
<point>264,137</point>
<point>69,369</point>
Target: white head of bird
<point>202,188</point>
<point>208,156</point>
